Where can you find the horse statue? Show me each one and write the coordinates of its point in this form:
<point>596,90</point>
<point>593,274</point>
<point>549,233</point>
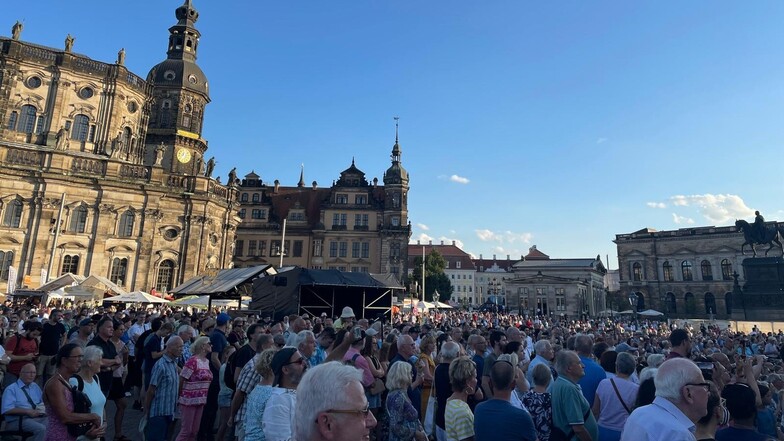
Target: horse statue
<point>752,237</point>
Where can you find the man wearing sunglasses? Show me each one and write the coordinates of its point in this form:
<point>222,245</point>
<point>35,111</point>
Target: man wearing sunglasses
<point>681,400</point>
<point>289,366</point>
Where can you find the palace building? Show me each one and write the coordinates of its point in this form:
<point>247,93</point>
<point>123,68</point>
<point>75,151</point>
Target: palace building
<point>684,273</point>
<point>104,172</point>
<point>354,225</point>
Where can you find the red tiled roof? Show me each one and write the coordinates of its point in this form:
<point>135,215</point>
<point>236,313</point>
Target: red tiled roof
<point>535,254</point>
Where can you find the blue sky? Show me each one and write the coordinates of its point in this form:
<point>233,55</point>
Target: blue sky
<point>558,124</point>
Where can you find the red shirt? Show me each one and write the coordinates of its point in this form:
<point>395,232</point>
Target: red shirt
<point>16,345</point>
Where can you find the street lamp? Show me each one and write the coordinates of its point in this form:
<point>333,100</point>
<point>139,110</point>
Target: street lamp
<point>633,303</point>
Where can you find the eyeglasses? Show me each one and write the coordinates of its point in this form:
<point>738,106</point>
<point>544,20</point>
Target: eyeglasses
<point>705,386</point>
<point>75,356</point>
<point>364,412</point>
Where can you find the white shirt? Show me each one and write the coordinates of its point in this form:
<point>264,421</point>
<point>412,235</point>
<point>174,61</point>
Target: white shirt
<point>278,420</point>
<point>659,421</point>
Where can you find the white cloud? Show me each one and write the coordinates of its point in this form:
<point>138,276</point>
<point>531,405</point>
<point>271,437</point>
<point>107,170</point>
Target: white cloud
<point>423,227</point>
<point>656,204</point>
<point>422,238</point>
<point>601,140</point>
<point>485,235</point>
<point>682,219</point>
<point>459,179</point>
<point>448,241</point>
<point>503,237</point>
<point>717,208</point>
<point>505,242</point>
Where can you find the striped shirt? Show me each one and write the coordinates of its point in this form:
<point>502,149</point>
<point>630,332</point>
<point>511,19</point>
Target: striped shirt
<point>166,380</point>
<point>459,421</point>
<point>247,381</point>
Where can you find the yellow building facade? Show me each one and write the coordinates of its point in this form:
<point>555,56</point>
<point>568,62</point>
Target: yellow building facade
<point>104,172</point>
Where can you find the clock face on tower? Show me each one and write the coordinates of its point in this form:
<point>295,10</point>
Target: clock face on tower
<point>184,155</point>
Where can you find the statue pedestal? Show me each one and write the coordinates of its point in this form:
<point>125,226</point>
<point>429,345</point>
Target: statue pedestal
<point>763,293</point>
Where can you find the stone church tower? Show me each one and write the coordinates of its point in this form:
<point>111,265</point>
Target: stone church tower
<point>396,227</point>
<point>180,93</point>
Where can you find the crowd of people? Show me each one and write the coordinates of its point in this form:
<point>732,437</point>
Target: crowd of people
<point>438,375</point>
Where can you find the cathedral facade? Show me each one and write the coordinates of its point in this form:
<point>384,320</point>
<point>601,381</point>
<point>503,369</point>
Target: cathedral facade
<point>104,172</point>
<point>354,225</point>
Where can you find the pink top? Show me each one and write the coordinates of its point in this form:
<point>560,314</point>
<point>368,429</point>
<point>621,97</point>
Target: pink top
<point>55,429</point>
<point>196,378</point>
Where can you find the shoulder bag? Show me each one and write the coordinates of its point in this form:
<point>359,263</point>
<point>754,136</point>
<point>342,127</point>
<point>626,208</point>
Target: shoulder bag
<point>81,404</point>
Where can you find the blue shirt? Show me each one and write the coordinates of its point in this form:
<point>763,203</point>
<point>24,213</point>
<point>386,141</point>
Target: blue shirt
<point>499,420</point>
<point>167,383</point>
<point>14,398</point>
<point>219,343</point>
<point>318,356</point>
<point>594,374</point>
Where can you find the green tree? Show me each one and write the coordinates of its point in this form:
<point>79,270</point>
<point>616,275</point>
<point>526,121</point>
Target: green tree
<point>435,278</point>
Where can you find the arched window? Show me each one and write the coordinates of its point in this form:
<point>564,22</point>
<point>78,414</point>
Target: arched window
<point>27,119</point>
<point>119,269</point>
<point>6,259</point>
<point>691,305</point>
<point>244,197</point>
<point>80,128</point>
<point>13,214</point>
<point>78,220</point>
<point>710,303</point>
<point>126,224</point>
<point>707,272</point>
<point>126,138</point>
<point>256,197</point>
<point>165,276</point>
<point>70,264</point>
<point>672,307</point>
<point>728,302</point>
<point>637,272</point>
<point>686,271</point>
<point>667,270</point>
<point>726,269</point>
<point>12,120</point>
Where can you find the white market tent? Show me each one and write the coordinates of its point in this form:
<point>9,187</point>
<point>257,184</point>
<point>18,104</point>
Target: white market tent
<point>135,297</point>
<point>651,313</point>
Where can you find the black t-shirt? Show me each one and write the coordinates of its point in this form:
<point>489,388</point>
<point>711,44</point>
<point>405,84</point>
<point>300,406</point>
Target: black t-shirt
<point>242,357</point>
<point>443,391</point>
<point>51,335</point>
<point>109,353</point>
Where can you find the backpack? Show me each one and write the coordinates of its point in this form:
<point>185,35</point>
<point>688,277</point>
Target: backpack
<point>81,404</point>
<point>228,373</point>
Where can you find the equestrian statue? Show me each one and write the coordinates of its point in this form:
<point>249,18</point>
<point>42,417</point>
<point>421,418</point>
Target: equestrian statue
<point>760,233</point>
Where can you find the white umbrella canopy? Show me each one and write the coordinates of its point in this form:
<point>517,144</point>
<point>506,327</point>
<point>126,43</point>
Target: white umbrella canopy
<point>651,313</point>
<point>628,311</point>
<point>136,297</point>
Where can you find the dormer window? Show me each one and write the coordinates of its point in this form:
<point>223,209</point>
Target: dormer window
<point>360,199</point>
<point>296,215</point>
<point>341,199</point>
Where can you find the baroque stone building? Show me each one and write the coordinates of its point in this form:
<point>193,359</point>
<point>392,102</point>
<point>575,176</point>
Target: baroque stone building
<point>103,171</point>
<point>354,225</point>
<point>684,273</point>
